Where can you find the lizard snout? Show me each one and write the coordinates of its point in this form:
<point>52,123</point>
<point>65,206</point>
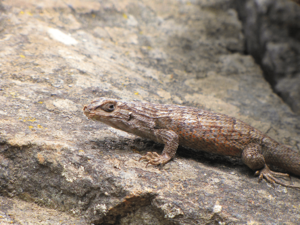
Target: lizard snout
<point>87,110</point>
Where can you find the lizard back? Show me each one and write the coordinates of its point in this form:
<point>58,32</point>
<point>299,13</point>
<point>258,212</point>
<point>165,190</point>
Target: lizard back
<point>198,129</point>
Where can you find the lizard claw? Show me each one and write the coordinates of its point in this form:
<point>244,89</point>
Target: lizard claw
<point>154,158</point>
<point>270,176</point>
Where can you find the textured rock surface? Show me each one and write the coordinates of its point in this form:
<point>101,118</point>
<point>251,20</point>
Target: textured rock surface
<point>13,211</point>
<point>57,56</point>
<point>272,33</point>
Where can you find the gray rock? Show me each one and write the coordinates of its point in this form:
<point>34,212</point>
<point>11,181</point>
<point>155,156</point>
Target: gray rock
<point>57,57</point>
<point>272,32</point>
<point>289,89</point>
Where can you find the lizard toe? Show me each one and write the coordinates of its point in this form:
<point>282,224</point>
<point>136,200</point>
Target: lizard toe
<point>149,156</point>
<point>270,176</point>
<point>155,159</point>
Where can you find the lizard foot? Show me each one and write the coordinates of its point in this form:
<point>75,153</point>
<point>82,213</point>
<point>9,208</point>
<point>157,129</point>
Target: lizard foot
<point>155,159</point>
<point>270,176</point>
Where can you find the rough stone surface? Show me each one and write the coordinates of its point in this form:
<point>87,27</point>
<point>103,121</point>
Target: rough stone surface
<point>13,211</point>
<point>57,56</point>
<point>272,33</point>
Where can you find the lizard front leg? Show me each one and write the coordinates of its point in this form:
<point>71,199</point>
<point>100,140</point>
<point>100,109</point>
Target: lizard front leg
<point>252,156</point>
<point>171,141</point>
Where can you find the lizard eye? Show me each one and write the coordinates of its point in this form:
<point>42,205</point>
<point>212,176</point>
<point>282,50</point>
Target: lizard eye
<point>109,107</point>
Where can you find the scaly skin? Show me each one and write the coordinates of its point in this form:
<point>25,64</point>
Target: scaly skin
<point>201,130</point>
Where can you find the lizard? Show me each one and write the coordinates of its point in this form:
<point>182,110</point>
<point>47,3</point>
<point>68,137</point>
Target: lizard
<point>201,130</point>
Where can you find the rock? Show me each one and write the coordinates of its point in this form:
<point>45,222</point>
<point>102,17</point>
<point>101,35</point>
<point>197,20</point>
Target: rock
<point>14,211</point>
<point>289,89</point>
<point>272,32</point>
<point>181,52</point>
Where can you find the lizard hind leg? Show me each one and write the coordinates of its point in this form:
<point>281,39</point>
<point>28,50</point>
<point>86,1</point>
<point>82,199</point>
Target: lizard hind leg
<point>252,156</point>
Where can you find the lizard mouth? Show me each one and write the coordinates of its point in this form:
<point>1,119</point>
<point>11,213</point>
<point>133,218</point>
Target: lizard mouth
<point>87,112</point>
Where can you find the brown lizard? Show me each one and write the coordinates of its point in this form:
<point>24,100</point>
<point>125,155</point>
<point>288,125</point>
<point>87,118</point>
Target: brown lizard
<point>198,129</point>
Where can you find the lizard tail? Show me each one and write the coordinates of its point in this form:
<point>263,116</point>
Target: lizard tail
<point>286,158</point>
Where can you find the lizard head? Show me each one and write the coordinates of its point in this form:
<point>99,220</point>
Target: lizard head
<point>105,110</point>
